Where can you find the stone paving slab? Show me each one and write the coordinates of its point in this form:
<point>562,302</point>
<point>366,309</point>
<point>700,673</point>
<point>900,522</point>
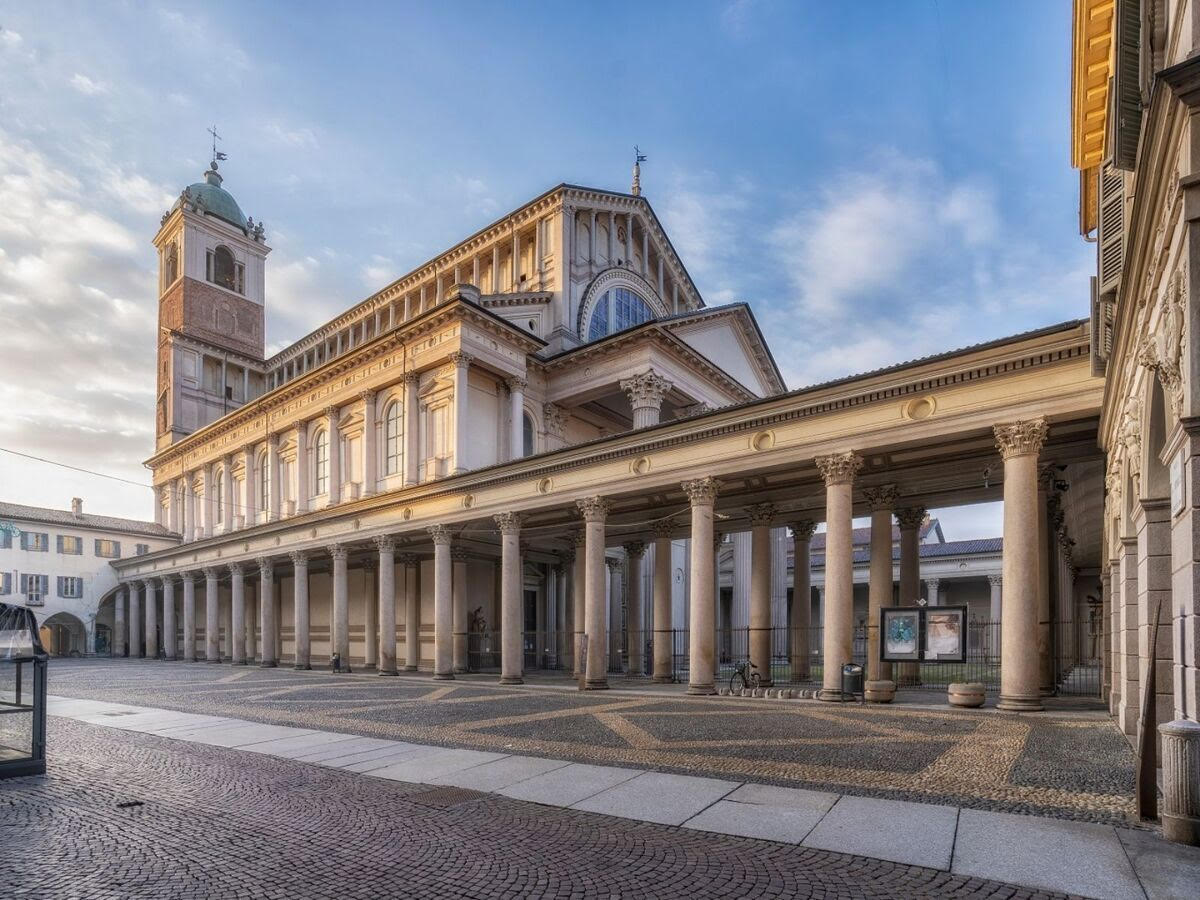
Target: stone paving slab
<point>658,797</point>
<point>568,785</point>
<point>763,811</point>
<point>242,735</point>
<point>305,743</point>
<point>427,767</point>
<point>1078,857</point>
<point>493,776</point>
<point>1166,871</point>
<point>917,834</point>
<point>338,748</point>
<point>391,749</point>
<point>385,759</point>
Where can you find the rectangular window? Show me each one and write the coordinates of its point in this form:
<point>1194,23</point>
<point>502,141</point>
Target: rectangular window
<point>5,583</point>
<point>108,549</point>
<point>141,549</point>
<point>70,587</point>
<point>70,545</point>
<point>35,540</point>
<point>34,588</point>
<point>5,540</point>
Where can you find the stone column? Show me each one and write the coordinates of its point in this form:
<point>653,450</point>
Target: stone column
<point>646,392</point>
<point>212,627</point>
<point>1019,444</point>
<point>511,612</point>
<point>369,467</point>
<point>702,494</point>
<point>227,493</point>
<point>761,516</point>
<point>341,607</point>
<point>135,620</point>
<point>1115,637</point>
<point>189,506</point>
<point>564,629</point>
<point>838,470</point>
<point>635,621</point>
<point>462,410</point>
<point>516,417</point>
<point>252,649</point>
<point>227,627</point>
<point>370,616</point>
<point>540,644</point>
<point>1131,694</point>
<point>412,613</point>
<point>266,612</point>
<point>932,586</point>
<point>1046,677</point>
<point>303,491</point>
<point>169,639</point>
<point>387,605</point>
<point>189,616</point>
<point>595,511</point>
<point>250,508</point>
<point>879,591</point>
<point>458,588</point>
<point>614,604</point>
<point>274,491</point>
<point>443,607</point>
<point>579,601</point>
<point>300,609</point>
<point>120,633</point>
<point>801,619</point>
<point>210,493</point>
<point>151,620</point>
<point>995,582</point>
<point>910,520</point>
<point>1181,781</point>
<point>332,417</point>
<point>237,595</point>
<point>412,430</point>
<point>663,630</point>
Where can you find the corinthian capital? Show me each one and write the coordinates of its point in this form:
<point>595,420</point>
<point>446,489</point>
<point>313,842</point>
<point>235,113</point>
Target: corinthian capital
<point>508,522</point>
<point>761,513</point>
<point>593,509</point>
<point>440,534</point>
<point>803,529</point>
<point>1021,438</point>
<point>839,468</point>
<point>646,389</point>
<point>883,497</point>
<point>911,516</point>
<point>701,490</point>
<point>634,549</point>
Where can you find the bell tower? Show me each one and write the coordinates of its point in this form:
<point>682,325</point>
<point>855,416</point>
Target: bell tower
<point>211,268</point>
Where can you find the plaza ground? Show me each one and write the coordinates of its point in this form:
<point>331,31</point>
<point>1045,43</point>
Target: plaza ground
<point>123,813</point>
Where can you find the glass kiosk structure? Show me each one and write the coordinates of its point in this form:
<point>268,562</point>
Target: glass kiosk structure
<point>22,694</point>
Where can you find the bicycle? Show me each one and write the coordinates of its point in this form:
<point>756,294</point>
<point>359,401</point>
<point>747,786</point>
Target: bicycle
<point>748,673</point>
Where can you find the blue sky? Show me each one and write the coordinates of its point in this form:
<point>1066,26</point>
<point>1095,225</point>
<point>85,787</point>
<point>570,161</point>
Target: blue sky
<point>879,180</point>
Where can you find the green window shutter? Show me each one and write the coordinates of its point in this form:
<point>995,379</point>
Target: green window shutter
<point>1111,239</point>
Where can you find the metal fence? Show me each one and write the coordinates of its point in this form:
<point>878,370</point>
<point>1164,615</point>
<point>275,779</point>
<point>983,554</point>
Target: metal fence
<point>797,656</point>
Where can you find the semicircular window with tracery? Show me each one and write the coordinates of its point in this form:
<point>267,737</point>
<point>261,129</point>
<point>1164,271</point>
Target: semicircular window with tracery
<point>618,309</point>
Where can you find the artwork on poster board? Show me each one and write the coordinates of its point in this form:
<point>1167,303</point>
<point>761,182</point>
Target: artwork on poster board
<point>943,634</point>
<point>901,630</point>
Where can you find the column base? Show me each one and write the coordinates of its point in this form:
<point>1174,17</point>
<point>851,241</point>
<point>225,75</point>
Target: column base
<point>302,667</point>
<point>1020,704</point>
<point>239,662</point>
<point>461,670</point>
<point>268,664</point>
<point>1180,808</point>
<point>832,696</point>
<point>411,669</point>
<point>509,680</point>
<point>213,661</point>
<point>701,690</point>
<point>662,679</point>
<point>387,672</point>
<point>446,676</point>
<point>171,659</point>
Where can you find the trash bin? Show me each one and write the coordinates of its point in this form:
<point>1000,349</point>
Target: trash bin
<point>852,680</point>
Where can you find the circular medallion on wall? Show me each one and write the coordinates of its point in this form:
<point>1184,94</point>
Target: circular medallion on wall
<point>919,408</point>
<point>545,486</point>
<point>406,514</point>
<point>468,501</point>
<point>640,466</point>
<point>764,440</point>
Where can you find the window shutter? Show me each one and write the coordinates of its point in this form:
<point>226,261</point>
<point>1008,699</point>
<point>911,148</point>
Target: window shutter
<point>62,586</point>
<point>1111,239</point>
<point>1127,95</point>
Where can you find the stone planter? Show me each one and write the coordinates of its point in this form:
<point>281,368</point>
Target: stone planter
<point>880,691</point>
<point>968,693</point>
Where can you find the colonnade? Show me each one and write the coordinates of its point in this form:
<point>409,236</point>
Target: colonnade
<point>585,611</point>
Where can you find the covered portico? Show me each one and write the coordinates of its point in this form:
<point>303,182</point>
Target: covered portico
<point>404,578</point>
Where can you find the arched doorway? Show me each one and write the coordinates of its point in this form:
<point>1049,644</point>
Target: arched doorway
<point>64,635</point>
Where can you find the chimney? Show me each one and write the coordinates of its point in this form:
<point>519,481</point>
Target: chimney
<point>77,506</point>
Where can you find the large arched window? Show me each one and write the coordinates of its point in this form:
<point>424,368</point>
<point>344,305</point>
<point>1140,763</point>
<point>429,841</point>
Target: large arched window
<point>218,493</point>
<point>224,270</point>
<point>526,435</point>
<point>321,462</point>
<point>618,309</point>
<point>391,439</point>
<point>264,482</point>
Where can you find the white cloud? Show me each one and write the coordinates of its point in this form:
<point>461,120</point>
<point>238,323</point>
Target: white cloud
<point>87,86</point>
<point>478,197</point>
<point>704,217</point>
<point>303,138</point>
<point>9,39</point>
<point>378,273</point>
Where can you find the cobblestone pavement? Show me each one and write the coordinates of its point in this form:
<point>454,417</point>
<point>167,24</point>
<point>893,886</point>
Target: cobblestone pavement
<point>124,815</point>
<point>1071,765</point>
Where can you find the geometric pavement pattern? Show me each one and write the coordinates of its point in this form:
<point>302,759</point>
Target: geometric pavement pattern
<point>1073,765</point>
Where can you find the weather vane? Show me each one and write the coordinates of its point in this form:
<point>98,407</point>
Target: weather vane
<point>217,155</point>
<point>638,159</point>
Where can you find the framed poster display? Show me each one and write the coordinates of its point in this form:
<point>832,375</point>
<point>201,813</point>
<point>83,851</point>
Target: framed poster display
<point>924,633</point>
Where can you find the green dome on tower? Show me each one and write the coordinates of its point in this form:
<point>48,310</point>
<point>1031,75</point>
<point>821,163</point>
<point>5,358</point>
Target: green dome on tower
<point>209,197</point>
